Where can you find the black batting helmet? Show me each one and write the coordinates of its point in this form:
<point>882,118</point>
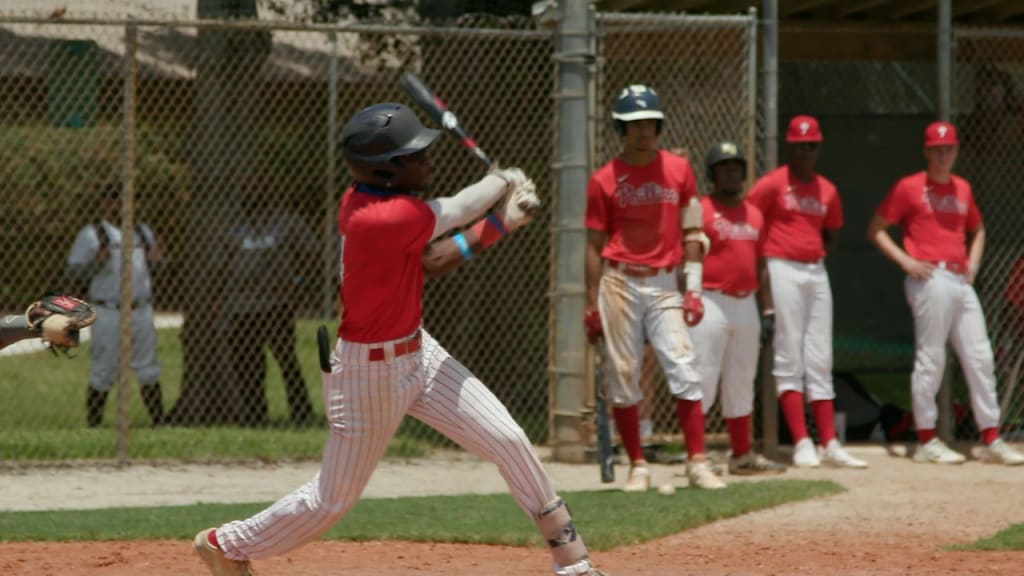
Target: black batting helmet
<point>636,102</point>
<point>722,152</point>
<point>375,136</point>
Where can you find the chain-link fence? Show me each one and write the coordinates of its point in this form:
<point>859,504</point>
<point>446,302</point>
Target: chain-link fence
<point>225,135</point>
<point>704,71</point>
<point>989,111</point>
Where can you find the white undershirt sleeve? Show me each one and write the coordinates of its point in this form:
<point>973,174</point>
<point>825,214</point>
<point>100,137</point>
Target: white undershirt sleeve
<point>469,204</point>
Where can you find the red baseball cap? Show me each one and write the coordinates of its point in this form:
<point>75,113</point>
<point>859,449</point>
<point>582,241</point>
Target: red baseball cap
<point>803,128</point>
<point>940,134</point>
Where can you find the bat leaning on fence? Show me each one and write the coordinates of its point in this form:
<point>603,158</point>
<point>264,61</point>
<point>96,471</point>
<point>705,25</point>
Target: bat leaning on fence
<point>323,345</point>
<point>605,450</point>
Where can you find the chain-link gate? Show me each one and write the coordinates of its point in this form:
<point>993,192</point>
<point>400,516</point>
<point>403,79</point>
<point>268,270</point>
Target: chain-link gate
<point>989,112</point>
<point>704,71</point>
<point>226,135</point>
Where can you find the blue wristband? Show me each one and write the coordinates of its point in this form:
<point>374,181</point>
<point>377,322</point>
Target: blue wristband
<point>497,224</point>
<point>460,241</point>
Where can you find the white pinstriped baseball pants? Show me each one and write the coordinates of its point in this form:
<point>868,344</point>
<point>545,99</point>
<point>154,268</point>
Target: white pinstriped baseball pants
<point>726,343</point>
<point>946,307</point>
<point>366,402</point>
<point>802,297</point>
<point>631,308</point>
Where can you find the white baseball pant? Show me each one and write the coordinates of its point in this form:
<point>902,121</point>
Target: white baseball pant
<point>946,307</point>
<point>365,403</point>
<point>105,350</point>
<point>727,344</point>
<point>802,297</point>
<point>632,307</point>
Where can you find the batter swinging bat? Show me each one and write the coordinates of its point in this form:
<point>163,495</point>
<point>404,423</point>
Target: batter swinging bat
<point>435,107</point>
<point>605,451</point>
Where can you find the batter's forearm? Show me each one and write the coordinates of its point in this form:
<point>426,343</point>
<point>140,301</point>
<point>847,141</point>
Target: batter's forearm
<point>14,328</point>
<point>470,203</point>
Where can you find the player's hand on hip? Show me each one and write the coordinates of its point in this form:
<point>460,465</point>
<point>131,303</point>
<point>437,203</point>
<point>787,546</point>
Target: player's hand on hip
<point>521,203</point>
<point>767,328</point>
<point>592,323</point>
<point>918,270</point>
<point>693,308</point>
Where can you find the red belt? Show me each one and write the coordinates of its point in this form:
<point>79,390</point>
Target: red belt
<point>954,267</point>
<point>637,270</point>
<point>733,293</point>
<point>401,349</point>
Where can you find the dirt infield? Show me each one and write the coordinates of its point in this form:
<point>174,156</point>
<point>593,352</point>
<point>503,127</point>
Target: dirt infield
<point>893,521</point>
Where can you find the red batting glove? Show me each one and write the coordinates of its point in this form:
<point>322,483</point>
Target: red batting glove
<point>592,323</point>
<point>693,308</point>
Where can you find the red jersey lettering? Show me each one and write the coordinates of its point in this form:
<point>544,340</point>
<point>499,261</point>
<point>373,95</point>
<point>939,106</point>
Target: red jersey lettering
<point>736,240</point>
<point>384,235</point>
<point>638,208</point>
<point>933,217</point>
<point>795,212</point>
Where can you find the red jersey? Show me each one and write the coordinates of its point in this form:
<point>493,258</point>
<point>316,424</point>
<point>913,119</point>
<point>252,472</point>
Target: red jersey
<point>384,234</point>
<point>1015,288</point>
<point>933,217</point>
<point>736,241</point>
<point>795,212</point>
<point>638,208</point>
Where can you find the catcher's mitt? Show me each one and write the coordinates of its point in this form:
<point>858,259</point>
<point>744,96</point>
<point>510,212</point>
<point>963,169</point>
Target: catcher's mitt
<point>57,319</point>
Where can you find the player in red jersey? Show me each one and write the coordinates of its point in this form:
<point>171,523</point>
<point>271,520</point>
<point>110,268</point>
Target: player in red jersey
<point>642,215</point>
<point>943,241</point>
<point>802,215</point>
<point>385,365</point>
<point>727,339</point>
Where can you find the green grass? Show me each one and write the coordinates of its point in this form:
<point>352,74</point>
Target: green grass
<point>606,518</point>
<point>42,413</point>
<point>1011,539</point>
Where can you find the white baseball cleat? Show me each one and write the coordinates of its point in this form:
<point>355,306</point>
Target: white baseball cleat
<point>215,560</point>
<point>836,456</point>
<point>639,479</point>
<point>702,476</point>
<point>999,452</point>
<point>804,454</point>
<point>936,452</point>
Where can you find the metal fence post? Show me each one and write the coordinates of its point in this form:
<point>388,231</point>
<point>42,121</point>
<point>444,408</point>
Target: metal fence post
<point>944,61</point>
<point>330,180</point>
<point>770,72</point>
<point>568,346</point>
<point>127,225</point>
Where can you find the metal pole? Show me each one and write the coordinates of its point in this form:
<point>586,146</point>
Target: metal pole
<point>752,97</point>
<point>770,98</point>
<point>567,365</point>
<point>127,227</point>
<point>330,182</point>
<point>944,67</point>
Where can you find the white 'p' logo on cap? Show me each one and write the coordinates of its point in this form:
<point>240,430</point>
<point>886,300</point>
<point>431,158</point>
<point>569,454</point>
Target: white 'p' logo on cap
<point>804,127</point>
<point>942,129</point>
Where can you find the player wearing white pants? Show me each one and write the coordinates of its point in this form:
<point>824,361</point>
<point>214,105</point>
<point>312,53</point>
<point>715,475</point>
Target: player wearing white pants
<point>726,340</point>
<point>643,220</point>
<point>802,214</point>
<point>943,243</point>
<point>384,365</point>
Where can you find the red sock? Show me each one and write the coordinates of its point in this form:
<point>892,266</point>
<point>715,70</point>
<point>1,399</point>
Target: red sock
<point>739,435</point>
<point>691,421</point>
<point>211,537</point>
<point>989,435</point>
<point>627,420</point>
<point>825,418</point>
<point>925,436</point>
<point>792,403</point>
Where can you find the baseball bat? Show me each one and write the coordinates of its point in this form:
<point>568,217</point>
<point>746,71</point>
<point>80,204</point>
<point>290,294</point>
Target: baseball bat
<point>426,99</point>
<point>605,450</point>
<point>323,346</point>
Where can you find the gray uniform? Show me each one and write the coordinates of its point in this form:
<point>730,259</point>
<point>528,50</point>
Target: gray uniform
<point>104,293</point>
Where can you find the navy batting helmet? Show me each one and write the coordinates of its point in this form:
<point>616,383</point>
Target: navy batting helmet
<point>373,138</point>
<point>636,102</point>
<point>723,152</point>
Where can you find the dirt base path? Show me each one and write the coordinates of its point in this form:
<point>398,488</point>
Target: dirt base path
<point>893,521</point>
